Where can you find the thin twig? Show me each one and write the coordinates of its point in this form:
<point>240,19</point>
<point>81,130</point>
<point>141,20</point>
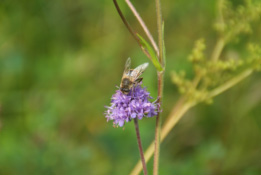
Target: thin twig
<point>218,49</point>
<point>221,26</point>
<point>230,83</point>
<point>143,25</point>
<point>140,146</point>
<point>220,16</point>
<point>133,33</point>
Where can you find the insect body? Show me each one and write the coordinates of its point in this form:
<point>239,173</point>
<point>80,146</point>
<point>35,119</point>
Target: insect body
<point>131,76</point>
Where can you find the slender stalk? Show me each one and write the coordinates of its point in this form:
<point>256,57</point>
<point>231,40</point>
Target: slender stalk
<point>181,108</point>
<point>177,112</point>
<point>140,147</point>
<point>160,32</point>
<point>218,49</point>
<point>160,89</point>
<point>220,16</point>
<point>143,25</point>
<point>160,74</point>
<point>196,81</point>
<point>133,33</point>
<point>230,83</point>
<point>158,125</point>
<point>221,41</point>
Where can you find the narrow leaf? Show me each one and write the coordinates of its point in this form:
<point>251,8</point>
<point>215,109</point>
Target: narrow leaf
<point>153,55</point>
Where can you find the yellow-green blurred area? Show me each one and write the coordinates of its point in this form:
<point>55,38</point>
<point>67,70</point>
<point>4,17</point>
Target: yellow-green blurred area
<point>60,63</point>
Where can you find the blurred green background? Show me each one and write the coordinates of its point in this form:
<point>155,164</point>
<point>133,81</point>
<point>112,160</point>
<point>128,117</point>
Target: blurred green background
<point>60,61</point>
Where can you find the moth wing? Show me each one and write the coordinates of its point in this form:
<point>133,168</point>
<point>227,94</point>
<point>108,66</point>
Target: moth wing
<point>135,73</point>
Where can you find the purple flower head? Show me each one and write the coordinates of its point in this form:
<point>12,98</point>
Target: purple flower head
<point>134,105</point>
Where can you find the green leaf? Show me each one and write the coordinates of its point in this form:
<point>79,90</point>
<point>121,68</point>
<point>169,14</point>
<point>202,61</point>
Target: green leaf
<point>153,55</point>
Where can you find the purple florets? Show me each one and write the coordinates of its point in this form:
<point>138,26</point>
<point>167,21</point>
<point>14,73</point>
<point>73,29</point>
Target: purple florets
<point>134,105</point>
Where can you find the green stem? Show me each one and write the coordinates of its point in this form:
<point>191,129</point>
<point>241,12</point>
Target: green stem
<point>218,49</point>
<point>221,41</point>
<point>230,83</point>
<point>220,16</point>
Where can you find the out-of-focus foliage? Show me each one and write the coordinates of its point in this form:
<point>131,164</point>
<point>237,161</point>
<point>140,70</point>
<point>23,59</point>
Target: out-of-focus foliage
<point>59,64</point>
<point>212,72</point>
